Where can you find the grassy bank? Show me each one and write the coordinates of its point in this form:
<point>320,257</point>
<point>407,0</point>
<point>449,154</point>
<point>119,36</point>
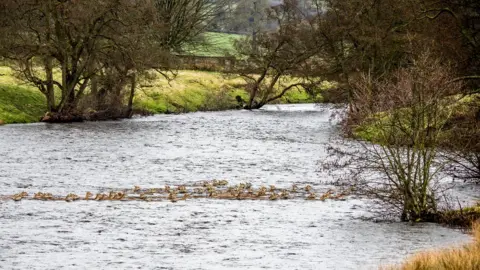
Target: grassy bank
<point>194,91</point>
<point>462,258</point>
<point>461,108</point>
<point>189,91</point>
<point>19,103</point>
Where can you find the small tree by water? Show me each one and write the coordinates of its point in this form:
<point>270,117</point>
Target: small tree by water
<point>400,166</point>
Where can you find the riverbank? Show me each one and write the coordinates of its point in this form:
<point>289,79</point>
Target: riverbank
<point>189,91</point>
<point>462,258</point>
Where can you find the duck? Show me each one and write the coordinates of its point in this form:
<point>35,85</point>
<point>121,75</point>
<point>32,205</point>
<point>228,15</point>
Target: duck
<point>182,189</point>
<point>273,197</point>
<point>284,194</point>
<point>136,189</point>
<point>327,195</point>
<point>308,188</point>
<point>223,183</point>
<point>17,197</point>
<point>71,197</point>
<point>119,196</point>
<point>172,196</point>
<point>312,196</point>
<point>100,197</point>
<point>144,197</point>
<point>262,192</point>
<point>47,196</point>
<point>294,188</point>
<point>88,195</point>
<point>272,188</point>
<point>38,196</point>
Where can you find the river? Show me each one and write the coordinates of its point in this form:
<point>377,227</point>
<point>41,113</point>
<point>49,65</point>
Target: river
<point>280,145</point>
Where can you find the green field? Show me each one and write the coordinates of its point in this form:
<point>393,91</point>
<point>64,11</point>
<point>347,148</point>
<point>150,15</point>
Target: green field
<point>215,45</point>
<point>19,103</point>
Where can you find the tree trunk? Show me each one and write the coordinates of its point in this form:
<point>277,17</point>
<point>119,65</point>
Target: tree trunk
<point>50,90</point>
<point>133,85</point>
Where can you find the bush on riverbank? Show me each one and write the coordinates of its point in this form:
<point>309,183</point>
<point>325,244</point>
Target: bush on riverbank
<point>462,217</point>
<point>464,258</point>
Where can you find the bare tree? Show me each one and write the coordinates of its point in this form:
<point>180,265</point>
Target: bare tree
<point>282,59</point>
<point>98,47</point>
<point>407,120</point>
<point>185,20</point>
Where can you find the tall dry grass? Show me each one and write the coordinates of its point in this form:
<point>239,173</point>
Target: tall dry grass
<point>463,258</point>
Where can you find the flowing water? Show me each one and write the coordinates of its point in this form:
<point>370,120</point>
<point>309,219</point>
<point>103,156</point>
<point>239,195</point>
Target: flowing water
<point>279,145</point>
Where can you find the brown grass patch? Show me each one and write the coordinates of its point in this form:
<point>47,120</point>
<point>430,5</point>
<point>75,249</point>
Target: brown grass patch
<point>463,258</point>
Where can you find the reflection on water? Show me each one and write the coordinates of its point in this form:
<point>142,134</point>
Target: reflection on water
<point>279,145</point>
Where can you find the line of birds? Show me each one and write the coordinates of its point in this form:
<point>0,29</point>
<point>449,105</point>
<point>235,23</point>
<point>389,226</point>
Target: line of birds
<point>208,189</point>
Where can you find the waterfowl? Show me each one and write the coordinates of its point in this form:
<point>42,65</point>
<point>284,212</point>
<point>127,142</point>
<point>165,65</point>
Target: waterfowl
<point>182,189</point>
<point>311,196</point>
<point>294,188</point>
<point>38,196</point>
<point>273,196</point>
<point>119,196</point>
<point>326,195</point>
<point>284,194</point>
<point>17,197</point>
<point>71,197</point>
<point>272,188</point>
<point>136,188</point>
<point>88,195</point>
<point>262,191</point>
<point>47,196</point>
<point>223,182</point>
<point>308,188</point>
<point>172,196</point>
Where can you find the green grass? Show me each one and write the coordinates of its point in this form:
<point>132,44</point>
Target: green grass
<point>19,103</point>
<point>215,45</point>
<point>189,91</point>
<point>374,128</point>
<point>194,91</point>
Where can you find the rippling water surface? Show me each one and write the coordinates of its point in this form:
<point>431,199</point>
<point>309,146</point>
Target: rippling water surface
<point>279,145</point>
